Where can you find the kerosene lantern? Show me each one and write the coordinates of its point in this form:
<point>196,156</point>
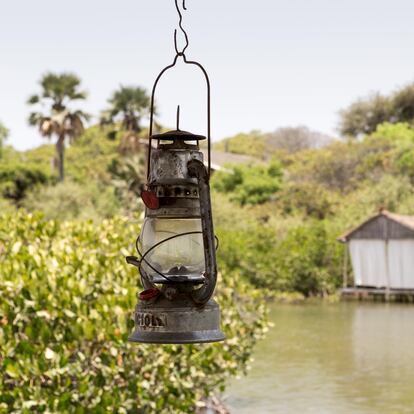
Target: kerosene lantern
<point>177,245</point>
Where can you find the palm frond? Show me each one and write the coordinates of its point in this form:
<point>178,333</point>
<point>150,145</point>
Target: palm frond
<point>129,105</point>
<point>35,117</point>
<point>34,99</point>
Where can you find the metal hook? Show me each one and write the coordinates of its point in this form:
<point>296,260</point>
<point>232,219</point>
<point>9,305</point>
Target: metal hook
<point>182,29</point>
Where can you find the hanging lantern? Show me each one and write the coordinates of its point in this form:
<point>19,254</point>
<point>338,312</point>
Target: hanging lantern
<point>177,246</point>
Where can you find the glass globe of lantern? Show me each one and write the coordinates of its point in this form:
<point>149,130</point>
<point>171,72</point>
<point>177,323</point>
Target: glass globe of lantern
<point>172,246</point>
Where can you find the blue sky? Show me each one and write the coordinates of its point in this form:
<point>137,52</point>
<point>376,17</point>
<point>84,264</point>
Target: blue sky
<point>272,63</point>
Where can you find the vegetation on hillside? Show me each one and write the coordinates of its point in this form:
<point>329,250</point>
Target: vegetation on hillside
<point>267,145</point>
<point>364,115</point>
<point>286,239</point>
<point>291,209</point>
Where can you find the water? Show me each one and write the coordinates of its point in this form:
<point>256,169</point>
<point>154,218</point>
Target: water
<point>345,358</point>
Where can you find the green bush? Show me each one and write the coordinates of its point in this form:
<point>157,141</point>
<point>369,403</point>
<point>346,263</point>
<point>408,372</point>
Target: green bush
<point>303,258</point>
<point>16,179</point>
<point>254,184</point>
<point>306,198</point>
<point>70,200</point>
<point>66,298</point>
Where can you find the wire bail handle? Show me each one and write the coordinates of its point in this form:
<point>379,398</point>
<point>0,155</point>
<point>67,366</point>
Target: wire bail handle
<point>188,62</point>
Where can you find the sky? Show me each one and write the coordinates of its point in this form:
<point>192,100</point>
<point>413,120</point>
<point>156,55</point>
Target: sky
<point>271,63</point>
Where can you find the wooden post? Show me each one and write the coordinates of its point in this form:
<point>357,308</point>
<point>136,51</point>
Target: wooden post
<point>345,267</point>
<point>387,267</point>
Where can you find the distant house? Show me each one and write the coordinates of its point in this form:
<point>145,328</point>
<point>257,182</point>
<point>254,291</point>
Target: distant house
<point>219,159</point>
<point>382,253</point>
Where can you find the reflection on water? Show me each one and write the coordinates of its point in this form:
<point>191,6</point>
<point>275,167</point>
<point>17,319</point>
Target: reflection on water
<point>347,358</point>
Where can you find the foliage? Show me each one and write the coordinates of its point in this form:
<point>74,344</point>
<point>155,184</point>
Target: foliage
<point>305,259</point>
<point>128,179</point>
<point>6,206</point>
<point>94,166</point>
<point>58,91</point>
<point>306,198</point>
<point>249,184</point>
<point>128,104</point>
<point>288,243</point>
<point>127,107</point>
<point>4,132</point>
<point>267,145</point>
<point>89,157</point>
<point>17,178</point>
<point>64,321</point>
<point>70,200</point>
<point>343,166</point>
<point>364,115</point>
<point>252,144</point>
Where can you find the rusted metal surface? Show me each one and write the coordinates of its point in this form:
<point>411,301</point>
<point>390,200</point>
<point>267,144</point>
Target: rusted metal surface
<point>202,295</point>
<point>176,322</point>
<point>169,167</point>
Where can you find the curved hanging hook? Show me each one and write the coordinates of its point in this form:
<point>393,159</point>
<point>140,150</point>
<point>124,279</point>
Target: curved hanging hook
<point>182,29</point>
<point>189,62</point>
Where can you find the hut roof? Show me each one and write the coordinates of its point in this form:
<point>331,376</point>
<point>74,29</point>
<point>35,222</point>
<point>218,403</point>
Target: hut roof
<point>407,222</point>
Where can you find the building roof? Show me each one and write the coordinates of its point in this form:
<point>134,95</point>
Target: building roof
<point>220,159</point>
<point>405,221</point>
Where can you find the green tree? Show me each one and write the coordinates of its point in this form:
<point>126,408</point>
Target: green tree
<point>57,93</point>
<point>4,132</point>
<point>17,178</point>
<point>127,106</point>
<point>363,116</point>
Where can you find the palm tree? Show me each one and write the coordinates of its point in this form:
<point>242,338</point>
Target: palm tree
<point>58,91</point>
<point>128,105</point>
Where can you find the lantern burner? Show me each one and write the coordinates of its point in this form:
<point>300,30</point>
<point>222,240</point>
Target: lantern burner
<point>179,275</point>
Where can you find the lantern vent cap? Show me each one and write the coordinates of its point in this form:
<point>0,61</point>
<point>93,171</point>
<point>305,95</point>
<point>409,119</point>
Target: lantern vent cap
<point>178,135</point>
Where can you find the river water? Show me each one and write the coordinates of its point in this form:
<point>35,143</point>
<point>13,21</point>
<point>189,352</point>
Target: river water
<point>343,358</point>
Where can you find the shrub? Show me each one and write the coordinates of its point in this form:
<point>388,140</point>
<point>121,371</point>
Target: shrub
<point>69,200</point>
<point>304,257</point>
<point>66,295</point>
<point>17,178</point>
<point>250,184</point>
